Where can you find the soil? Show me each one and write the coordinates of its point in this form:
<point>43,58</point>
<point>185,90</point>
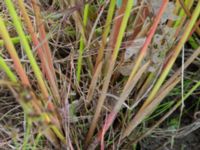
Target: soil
<point>189,142</point>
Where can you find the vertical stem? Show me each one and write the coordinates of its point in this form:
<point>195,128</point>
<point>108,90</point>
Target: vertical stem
<point>164,74</point>
<point>12,51</point>
<point>102,97</point>
<point>46,66</point>
<point>25,44</point>
<point>82,45</point>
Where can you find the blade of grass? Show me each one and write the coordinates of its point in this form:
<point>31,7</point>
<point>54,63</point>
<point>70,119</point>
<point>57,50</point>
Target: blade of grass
<point>182,17</point>
<point>77,18</point>
<point>44,60</point>
<point>123,96</point>
<point>144,49</point>
<point>143,113</point>
<point>114,34</point>
<point>12,51</point>
<point>37,140</point>
<point>102,97</point>
<point>82,45</point>
<point>177,50</point>
<point>93,83</point>
<point>43,37</point>
<point>165,72</point>
<point>178,72</point>
<point>15,40</point>
<point>145,87</point>
<point>98,65</point>
<point>176,75</point>
<point>193,42</point>
<point>139,19</point>
<point>34,106</point>
<point>33,63</point>
<point>178,104</point>
<point>47,119</point>
<point>27,133</point>
<point>7,70</point>
<point>182,13</point>
<point>25,44</point>
<point>188,13</point>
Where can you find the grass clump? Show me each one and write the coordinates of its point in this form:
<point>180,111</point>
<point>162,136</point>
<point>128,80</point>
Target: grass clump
<point>97,73</point>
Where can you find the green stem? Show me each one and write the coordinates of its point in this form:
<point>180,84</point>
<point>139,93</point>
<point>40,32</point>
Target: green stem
<point>36,142</point>
<point>82,45</point>
<point>193,42</point>
<point>174,56</point>
<point>25,44</point>
<point>182,13</point>
<point>102,97</point>
<point>13,53</point>
<point>98,64</point>
<point>150,100</point>
<point>15,40</point>
<point>7,70</point>
<point>27,132</point>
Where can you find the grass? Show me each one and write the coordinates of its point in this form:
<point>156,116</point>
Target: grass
<point>168,68</point>
<point>15,40</point>
<point>81,48</point>
<point>61,63</point>
<point>110,69</point>
<point>26,46</point>
<point>7,70</point>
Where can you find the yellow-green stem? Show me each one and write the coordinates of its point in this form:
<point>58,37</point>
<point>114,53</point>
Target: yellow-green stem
<point>26,46</point>
<point>102,97</point>
<point>12,51</point>
<point>7,70</point>
<point>82,45</point>
<point>175,55</point>
<point>15,40</point>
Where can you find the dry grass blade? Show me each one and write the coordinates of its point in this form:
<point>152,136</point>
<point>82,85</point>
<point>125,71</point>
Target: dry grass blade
<point>144,49</point>
<point>91,72</point>
<point>110,69</point>
<point>178,72</point>
<point>43,51</point>
<point>177,50</point>
<point>94,82</point>
<point>99,60</point>
<point>12,51</point>
<point>42,32</point>
<point>167,114</point>
<point>123,96</point>
<point>46,66</point>
<point>26,46</point>
<point>143,113</point>
<point>7,70</point>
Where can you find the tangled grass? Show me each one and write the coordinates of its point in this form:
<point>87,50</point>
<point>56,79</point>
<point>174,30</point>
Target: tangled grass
<point>83,75</point>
